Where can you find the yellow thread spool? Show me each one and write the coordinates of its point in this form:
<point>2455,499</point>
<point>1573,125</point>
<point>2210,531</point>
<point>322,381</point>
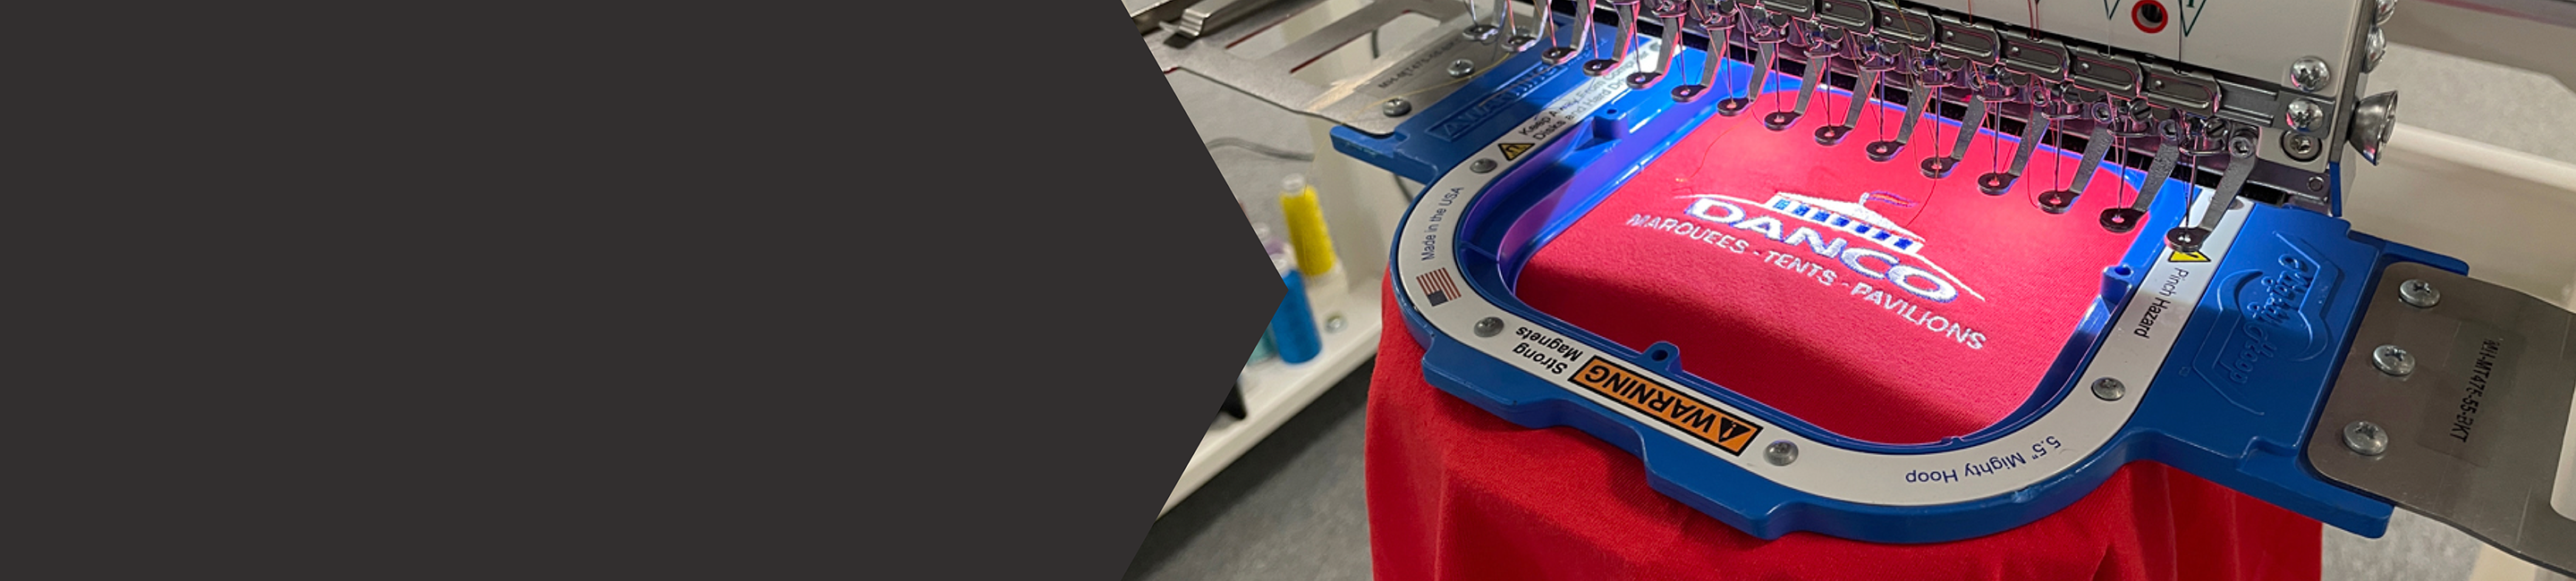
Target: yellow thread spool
<point>1306,234</point>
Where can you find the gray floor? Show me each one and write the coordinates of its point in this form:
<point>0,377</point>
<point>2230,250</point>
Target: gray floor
<point>2510,108</point>
<point>1292,508</point>
<point>2414,548</point>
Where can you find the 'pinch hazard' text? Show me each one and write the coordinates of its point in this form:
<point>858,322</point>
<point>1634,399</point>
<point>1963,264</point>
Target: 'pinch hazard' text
<point>1689,414</point>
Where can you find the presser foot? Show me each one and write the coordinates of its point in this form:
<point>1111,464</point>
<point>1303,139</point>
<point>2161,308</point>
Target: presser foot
<point>2056,201</point>
<point>1938,167</point>
<point>1996,183</point>
<point>2122,220</point>
<point>1558,55</point>
<point>1733,106</point>
<point>1883,150</point>
<point>1688,93</point>
<point>1832,134</point>
<point>1779,120</point>
<point>1643,79</point>
<point>2186,239</point>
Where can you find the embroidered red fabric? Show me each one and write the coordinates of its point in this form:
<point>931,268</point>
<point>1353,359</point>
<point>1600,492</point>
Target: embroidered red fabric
<point>1863,297</point>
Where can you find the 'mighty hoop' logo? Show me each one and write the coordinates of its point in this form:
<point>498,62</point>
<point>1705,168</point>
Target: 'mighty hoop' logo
<point>1828,228</point>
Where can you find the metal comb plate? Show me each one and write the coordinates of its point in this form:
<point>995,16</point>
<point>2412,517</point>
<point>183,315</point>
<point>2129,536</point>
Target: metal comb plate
<point>1414,72</point>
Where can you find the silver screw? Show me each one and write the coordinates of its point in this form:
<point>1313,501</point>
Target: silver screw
<point>1481,165</point>
<point>1335,323</point>
<point>2303,115</point>
<point>2309,73</point>
<point>2316,183</point>
<point>2419,293</point>
<point>1489,327</point>
<point>2365,438</point>
<point>2302,147</point>
<point>2109,389</point>
<point>1780,453</point>
<point>2392,360</point>
<point>2385,8</point>
<point>1395,107</point>
<point>1461,68</point>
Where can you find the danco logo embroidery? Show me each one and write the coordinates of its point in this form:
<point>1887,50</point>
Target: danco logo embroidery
<point>1863,241</point>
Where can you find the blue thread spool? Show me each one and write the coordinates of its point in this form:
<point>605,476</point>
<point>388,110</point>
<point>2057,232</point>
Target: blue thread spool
<point>1292,328</point>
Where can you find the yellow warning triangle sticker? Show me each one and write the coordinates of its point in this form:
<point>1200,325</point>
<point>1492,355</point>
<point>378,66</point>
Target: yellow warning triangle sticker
<point>2180,256</point>
<point>1513,151</point>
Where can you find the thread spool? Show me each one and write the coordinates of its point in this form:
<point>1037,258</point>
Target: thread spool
<point>1292,327</point>
<point>1308,238</point>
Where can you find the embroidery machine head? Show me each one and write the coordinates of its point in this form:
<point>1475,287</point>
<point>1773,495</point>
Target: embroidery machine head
<point>2425,389</point>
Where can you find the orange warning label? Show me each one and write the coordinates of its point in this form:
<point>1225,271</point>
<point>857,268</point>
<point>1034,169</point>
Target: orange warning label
<point>1513,151</point>
<point>1674,408</point>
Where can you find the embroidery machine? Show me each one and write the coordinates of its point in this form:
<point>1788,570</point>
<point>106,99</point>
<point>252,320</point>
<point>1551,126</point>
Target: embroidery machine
<point>2248,336</point>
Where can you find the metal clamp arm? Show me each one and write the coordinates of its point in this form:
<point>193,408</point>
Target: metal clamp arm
<point>2454,402</point>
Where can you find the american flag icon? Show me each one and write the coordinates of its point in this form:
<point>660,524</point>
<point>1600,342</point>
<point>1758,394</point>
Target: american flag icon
<point>1438,286</point>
